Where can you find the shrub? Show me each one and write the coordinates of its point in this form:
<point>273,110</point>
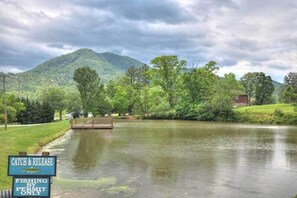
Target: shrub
<point>278,112</point>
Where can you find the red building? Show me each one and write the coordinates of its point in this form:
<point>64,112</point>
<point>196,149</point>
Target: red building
<point>241,100</point>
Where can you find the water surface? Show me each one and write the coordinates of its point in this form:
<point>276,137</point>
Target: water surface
<point>177,159</point>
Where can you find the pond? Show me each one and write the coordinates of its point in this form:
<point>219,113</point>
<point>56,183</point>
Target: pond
<point>144,158</point>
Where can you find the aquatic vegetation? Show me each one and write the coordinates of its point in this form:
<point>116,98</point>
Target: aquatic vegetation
<point>119,189</point>
<point>72,183</point>
<point>107,185</point>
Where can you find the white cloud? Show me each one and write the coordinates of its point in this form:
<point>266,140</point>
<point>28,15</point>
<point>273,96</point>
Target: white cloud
<point>241,35</point>
<point>10,69</point>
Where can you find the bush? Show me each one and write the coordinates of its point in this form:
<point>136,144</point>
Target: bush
<point>210,112</point>
<point>171,114</point>
<point>278,112</point>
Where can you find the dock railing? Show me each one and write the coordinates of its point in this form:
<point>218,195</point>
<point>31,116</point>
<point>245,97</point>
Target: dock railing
<point>92,123</point>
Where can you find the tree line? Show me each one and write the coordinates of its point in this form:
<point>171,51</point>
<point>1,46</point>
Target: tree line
<point>164,90</point>
<point>35,112</point>
<point>169,90</point>
<point>41,110</point>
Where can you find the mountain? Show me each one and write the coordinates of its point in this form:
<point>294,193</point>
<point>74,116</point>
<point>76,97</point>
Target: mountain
<point>276,85</point>
<point>59,71</point>
<point>103,63</point>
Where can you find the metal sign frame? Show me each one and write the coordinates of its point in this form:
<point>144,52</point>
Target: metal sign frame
<point>32,170</point>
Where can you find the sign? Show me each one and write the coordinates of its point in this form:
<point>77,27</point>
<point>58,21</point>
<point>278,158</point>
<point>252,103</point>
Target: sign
<point>32,174</point>
<point>32,165</point>
<point>31,187</point>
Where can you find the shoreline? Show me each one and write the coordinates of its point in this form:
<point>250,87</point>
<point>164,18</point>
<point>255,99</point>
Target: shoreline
<point>263,119</point>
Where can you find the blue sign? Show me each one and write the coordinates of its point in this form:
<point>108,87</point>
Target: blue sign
<point>31,187</point>
<point>32,165</point>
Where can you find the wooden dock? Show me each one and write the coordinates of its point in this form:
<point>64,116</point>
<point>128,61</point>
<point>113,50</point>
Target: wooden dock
<point>92,123</point>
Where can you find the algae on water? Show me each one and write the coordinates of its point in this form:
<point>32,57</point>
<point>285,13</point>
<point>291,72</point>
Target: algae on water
<point>119,189</point>
<point>71,183</point>
<point>105,185</point>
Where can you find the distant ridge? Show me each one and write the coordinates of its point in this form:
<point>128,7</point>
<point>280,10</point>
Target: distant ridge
<point>59,71</point>
<point>86,57</point>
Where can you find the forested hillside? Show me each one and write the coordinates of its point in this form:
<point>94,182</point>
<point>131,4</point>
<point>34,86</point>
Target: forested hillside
<point>59,71</point>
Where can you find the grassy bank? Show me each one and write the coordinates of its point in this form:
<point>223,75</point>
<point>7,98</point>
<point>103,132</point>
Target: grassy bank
<point>268,114</point>
<point>26,138</point>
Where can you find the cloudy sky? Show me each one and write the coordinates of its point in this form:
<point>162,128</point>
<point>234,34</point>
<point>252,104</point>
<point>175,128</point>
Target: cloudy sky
<point>240,35</point>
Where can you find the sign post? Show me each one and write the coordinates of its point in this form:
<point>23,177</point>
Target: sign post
<point>32,174</point>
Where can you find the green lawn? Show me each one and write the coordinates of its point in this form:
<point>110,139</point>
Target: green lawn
<point>266,114</point>
<point>25,138</point>
<point>286,108</point>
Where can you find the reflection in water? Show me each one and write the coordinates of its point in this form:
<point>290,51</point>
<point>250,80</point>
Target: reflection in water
<point>182,159</point>
<point>291,144</point>
<point>261,150</point>
<point>164,170</point>
<point>90,149</point>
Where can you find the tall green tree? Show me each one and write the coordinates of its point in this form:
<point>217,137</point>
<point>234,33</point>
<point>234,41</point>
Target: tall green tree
<point>73,103</point>
<point>141,106</point>
<point>248,81</point>
<point>56,97</point>
<point>291,79</point>
<point>166,73</point>
<point>88,83</point>
<point>111,88</point>
<point>200,83</point>
<point>264,89</point>
<point>288,92</point>
<point>143,74</point>
<point>220,105</point>
<point>105,106</point>
<point>13,106</point>
<point>131,74</point>
<point>47,112</point>
<point>120,101</point>
<point>98,103</point>
<point>157,100</point>
<point>258,86</point>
